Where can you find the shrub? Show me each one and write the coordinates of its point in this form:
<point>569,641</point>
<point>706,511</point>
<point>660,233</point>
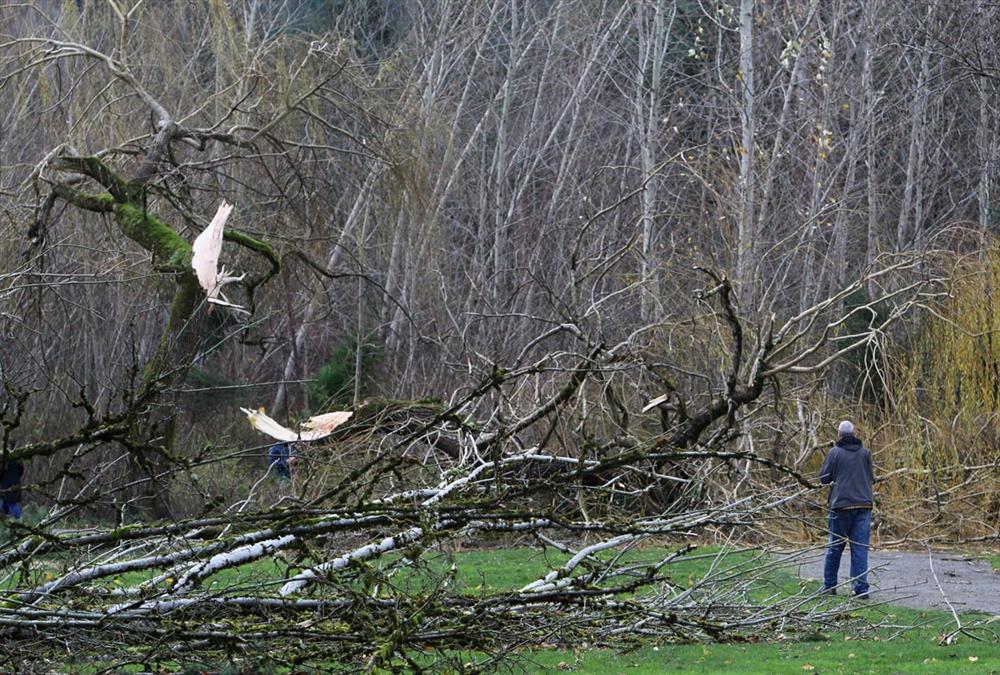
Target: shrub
<point>333,385</point>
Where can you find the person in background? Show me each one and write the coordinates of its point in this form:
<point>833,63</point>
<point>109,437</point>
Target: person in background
<point>10,487</point>
<point>281,458</point>
<point>848,468</point>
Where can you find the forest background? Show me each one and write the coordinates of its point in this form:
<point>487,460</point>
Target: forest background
<point>498,228</point>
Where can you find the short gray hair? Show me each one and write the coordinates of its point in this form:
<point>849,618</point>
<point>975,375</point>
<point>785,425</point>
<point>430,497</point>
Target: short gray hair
<point>846,427</point>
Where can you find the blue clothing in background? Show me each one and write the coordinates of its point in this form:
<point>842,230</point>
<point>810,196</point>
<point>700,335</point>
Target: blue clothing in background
<point>10,488</point>
<point>277,458</point>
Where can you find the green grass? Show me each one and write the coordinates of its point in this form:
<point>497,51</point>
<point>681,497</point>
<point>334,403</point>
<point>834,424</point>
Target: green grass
<point>502,570</point>
<point>834,655</point>
<point>994,560</point>
<point>904,640</point>
<point>887,649</point>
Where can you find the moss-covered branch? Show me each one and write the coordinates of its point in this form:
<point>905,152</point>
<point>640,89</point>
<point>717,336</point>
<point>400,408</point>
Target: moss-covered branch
<point>93,167</point>
<point>170,250</point>
<point>155,236</point>
<point>259,247</point>
<point>123,199</point>
<point>85,200</point>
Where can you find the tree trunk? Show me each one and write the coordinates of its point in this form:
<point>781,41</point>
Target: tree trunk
<point>746,245</point>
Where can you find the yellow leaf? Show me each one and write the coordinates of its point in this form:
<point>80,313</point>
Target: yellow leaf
<point>808,666</point>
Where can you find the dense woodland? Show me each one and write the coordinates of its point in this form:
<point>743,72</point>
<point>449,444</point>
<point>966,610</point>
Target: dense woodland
<point>494,230</point>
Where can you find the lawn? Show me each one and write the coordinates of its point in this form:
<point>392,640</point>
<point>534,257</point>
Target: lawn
<point>917,652</point>
<point>904,640</point>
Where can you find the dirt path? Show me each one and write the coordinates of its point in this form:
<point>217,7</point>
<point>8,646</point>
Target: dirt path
<point>908,578</point>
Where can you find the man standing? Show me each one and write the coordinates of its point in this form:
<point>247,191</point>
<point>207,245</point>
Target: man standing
<point>848,467</point>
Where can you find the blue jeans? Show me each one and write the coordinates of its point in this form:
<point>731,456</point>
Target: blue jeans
<point>280,470</point>
<point>853,525</point>
<point>12,509</point>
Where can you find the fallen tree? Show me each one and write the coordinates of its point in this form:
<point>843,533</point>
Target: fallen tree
<point>404,482</point>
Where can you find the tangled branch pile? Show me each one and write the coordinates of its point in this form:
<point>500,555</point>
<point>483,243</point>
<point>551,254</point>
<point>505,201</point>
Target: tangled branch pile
<point>350,554</point>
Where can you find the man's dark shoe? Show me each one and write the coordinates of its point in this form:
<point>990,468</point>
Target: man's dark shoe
<point>862,596</point>
<point>832,590</point>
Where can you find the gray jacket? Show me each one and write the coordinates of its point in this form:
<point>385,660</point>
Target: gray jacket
<point>849,467</point>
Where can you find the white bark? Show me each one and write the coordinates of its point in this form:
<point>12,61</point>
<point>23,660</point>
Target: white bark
<point>987,143</point>
<point>746,244</point>
<point>299,581</point>
<point>561,577</point>
<point>653,42</point>
<point>871,102</point>
<point>907,224</point>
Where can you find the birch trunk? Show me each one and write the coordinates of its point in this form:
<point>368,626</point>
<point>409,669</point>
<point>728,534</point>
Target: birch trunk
<point>906,226</point>
<point>652,48</point>
<point>870,101</point>
<point>746,249</point>
<point>987,144</point>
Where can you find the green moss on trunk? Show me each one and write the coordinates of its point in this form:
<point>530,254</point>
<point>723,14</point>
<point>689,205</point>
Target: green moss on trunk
<point>103,203</point>
<point>171,353</point>
<point>155,236</point>
<point>255,245</point>
<point>100,172</point>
